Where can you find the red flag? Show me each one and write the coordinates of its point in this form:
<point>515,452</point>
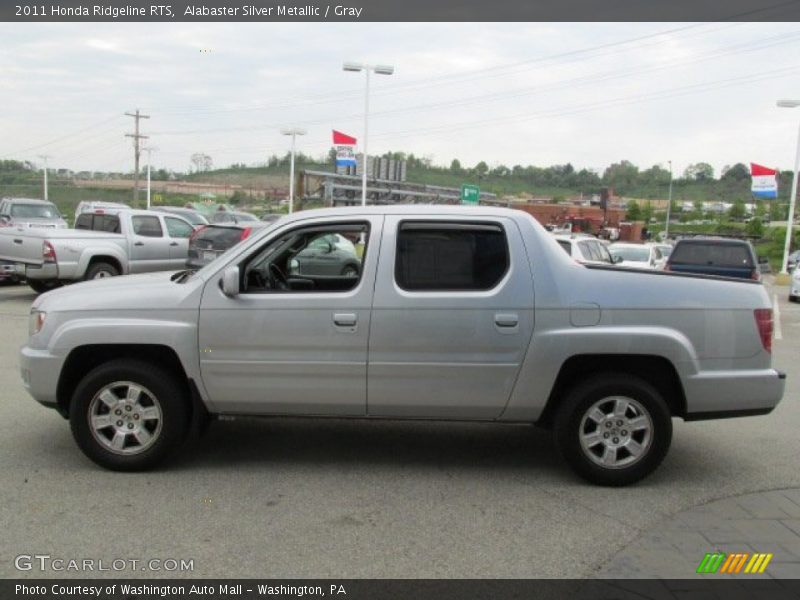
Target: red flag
<point>756,170</point>
<point>343,138</point>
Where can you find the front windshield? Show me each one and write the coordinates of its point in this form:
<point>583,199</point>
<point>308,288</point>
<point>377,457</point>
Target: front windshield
<point>34,211</point>
<point>631,253</point>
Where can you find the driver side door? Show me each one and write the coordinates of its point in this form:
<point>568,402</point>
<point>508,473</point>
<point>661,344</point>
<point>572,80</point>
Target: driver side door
<point>290,351</point>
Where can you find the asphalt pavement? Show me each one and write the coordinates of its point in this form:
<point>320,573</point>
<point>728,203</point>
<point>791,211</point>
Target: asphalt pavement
<point>292,498</point>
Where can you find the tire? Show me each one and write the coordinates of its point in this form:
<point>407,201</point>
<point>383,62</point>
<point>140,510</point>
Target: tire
<point>629,445</point>
<point>350,271</point>
<point>150,431</point>
<point>40,286</point>
<point>100,270</point>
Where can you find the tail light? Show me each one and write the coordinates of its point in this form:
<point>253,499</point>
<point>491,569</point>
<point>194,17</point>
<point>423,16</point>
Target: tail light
<point>48,252</point>
<point>756,275</point>
<point>764,324</point>
<point>196,232</point>
<point>245,232</point>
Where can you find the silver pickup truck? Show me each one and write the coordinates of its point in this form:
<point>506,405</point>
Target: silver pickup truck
<point>470,313</point>
<point>103,244</point>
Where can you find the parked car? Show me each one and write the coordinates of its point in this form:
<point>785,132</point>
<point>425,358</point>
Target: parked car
<point>794,286</point>
<point>437,325</point>
<point>211,241</point>
<point>642,256</point>
<point>98,206</point>
<point>101,245</point>
<point>29,213</point>
<point>792,261</point>
<point>271,217</point>
<point>585,249</point>
<point>190,214</point>
<point>664,249</point>
<point>230,216</point>
<point>714,256</point>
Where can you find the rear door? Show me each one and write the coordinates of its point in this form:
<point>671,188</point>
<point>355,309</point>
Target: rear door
<point>150,247</point>
<point>452,318</point>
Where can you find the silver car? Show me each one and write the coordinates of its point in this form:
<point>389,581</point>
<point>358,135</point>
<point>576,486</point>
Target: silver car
<point>30,213</point>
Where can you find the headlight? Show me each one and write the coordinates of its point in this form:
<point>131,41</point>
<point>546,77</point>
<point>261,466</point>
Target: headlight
<point>36,321</point>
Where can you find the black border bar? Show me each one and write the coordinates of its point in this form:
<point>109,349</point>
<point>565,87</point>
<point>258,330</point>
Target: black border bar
<point>261,11</point>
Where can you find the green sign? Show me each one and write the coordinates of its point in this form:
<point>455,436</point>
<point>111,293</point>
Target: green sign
<point>470,194</point>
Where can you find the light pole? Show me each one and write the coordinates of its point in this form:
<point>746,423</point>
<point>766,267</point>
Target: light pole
<point>669,203</point>
<point>44,157</point>
<point>149,151</point>
<point>294,132</point>
<point>793,197</point>
<point>380,70</point>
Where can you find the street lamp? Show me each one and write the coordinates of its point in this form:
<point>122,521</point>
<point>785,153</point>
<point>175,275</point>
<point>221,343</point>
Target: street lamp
<point>380,70</point>
<point>149,151</point>
<point>294,132</point>
<point>44,157</point>
<point>793,196</point>
<point>669,203</point>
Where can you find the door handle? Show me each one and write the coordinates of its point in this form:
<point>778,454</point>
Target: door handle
<point>345,319</point>
<point>174,244</point>
<point>17,241</point>
<point>506,320</point>
<point>138,244</point>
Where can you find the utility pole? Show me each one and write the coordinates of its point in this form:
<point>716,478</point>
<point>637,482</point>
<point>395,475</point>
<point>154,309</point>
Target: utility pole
<point>44,157</point>
<point>149,157</point>
<point>669,204</point>
<point>136,149</point>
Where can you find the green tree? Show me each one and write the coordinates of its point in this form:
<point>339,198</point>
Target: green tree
<point>737,211</point>
<point>634,212</point>
<point>481,169</point>
<point>699,172</point>
<point>455,167</point>
<point>754,227</point>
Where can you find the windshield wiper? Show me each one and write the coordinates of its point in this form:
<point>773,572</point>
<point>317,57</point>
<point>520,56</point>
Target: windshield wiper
<point>181,276</point>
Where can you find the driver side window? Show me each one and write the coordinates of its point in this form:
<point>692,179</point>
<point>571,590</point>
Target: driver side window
<point>318,258</point>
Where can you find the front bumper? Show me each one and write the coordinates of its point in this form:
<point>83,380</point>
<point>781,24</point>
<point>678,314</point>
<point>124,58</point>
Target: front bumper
<point>720,394</point>
<point>40,370</point>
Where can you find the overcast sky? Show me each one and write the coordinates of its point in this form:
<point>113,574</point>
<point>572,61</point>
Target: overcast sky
<point>510,93</point>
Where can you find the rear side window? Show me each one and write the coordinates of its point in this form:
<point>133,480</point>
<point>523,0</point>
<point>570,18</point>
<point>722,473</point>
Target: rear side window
<point>147,226</point>
<point>715,254</point>
<point>90,221</point>
<point>221,238</point>
<point>567,247</point>
<point>178,228</point>
<point>434,256</point>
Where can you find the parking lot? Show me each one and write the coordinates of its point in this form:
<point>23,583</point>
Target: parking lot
<point>310,498</point>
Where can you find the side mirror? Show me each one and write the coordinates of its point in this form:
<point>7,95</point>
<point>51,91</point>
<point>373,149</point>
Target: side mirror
<point>230,282</point>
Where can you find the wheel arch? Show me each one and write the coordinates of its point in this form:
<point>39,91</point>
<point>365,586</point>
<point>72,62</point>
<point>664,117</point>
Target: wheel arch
<point>82,359</point>
<point>656,370</point>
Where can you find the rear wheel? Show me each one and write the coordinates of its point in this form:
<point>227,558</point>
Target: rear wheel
<point>613,429</point>
<point>128,415</point>
<point>40,287</point>
<point>101,270</point>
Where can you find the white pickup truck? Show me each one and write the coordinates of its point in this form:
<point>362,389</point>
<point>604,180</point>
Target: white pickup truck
<point>103,244</point>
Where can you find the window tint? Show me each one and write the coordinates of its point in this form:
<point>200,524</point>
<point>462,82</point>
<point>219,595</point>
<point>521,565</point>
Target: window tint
<point>107,223</point>
<point>450,256</point>
<point>712,253</point>
<point>566,246</point>
<point>178,228</point>
<point>147,226</point>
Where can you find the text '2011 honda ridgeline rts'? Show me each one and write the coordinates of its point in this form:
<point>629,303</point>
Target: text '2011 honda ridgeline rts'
<point>470,313</point>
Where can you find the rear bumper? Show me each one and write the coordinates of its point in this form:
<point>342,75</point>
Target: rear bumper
<point>723,394</point>
<point>40,371</point>
<point>45,271</point>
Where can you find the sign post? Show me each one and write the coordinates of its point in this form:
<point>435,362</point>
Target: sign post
<point>470,194</point>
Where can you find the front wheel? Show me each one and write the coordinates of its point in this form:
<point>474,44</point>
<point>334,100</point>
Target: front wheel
<point>613,429</point>
<point>128,415</point>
